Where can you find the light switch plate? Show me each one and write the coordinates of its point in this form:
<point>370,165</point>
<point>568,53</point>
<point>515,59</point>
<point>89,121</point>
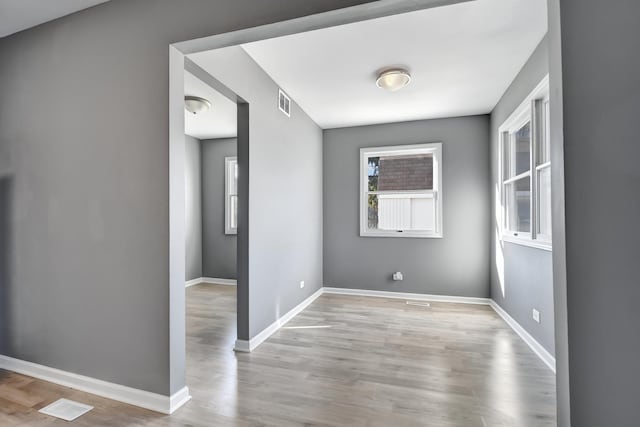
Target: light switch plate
<point>536,315</point>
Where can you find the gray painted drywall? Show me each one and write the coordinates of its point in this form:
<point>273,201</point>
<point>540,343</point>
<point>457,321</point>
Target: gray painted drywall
<point>242,290</point>
<point>558,219</point>
<point>89,248</point>
<point>285,191</point>
<point>218,248</point>
<point>193,208</point>
<point>601,95</point>
<point>521,277</point>
<point>528,284</point>
<point>6,190</point>
<point>457,264</point>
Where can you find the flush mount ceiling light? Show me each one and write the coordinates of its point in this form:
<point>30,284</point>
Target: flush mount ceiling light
<point>393,79</point>
<point>196,105</point>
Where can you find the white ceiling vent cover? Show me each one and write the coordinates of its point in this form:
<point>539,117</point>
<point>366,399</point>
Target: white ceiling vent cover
<point>284,103</point>
<point>65,409</point>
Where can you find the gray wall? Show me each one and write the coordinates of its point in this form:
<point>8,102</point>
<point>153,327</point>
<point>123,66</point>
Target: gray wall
<point>6,190</point>
<point>601,91</point>
<point>521,277</point>
<point>89,220</point>
<point>218,248</point>
<point>285,191</point>
<point>193,208</point>
<point>457,264</point>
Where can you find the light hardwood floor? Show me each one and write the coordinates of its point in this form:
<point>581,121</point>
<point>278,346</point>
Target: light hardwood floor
<point>344,361</point>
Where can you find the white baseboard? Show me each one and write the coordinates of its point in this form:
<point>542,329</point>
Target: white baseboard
<point>178,399</point>
<point>217,281</point>
<point>212,281</point>
<point>249,346</point>
<point>244,346</point>
<point>537,348</point>
<point>132,396</point>
<point>405,295</point>
<point>192,282</point>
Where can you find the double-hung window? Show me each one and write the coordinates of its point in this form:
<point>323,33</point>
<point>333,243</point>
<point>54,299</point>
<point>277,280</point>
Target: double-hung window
<point>525,172</point>
<point>400,191</point>
<point>231,195</point>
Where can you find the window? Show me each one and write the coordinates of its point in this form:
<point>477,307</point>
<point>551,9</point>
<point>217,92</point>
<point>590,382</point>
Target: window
<point>525,172</point>
<point>231,195</point>
<point>400,191</point>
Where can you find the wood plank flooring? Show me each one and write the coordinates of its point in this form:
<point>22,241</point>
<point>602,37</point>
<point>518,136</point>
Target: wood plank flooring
<point>344,361</point>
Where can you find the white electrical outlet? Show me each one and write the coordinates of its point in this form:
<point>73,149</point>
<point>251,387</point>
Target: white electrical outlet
<point>302,284</point>
<point>397,276</point>
<point>536,315</point>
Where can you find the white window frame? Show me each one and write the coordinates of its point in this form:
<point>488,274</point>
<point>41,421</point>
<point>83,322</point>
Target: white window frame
<point>229,162</point>
<point>530,110</point>
<point>435,149</point>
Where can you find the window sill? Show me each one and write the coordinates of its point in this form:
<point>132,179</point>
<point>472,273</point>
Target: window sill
<point>402,235</point>
<point>528,242</point>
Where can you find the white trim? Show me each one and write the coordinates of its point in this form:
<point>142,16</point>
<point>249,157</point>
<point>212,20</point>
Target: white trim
<point>243,346</point>
<point>406,233</point>
<point>193,282</point>
<point>178,399</point>
<point>132,396</point>
<point>407,296</point>
<point>228,164</point>
<point>218,281</point>
<point>543,166</point>
<point>541,90</point>
<point>211,281</point>
<point>248,346</point>
<point>434,148</point>
<point>523,241</point>
<point>526,174</point>
<point>525,112</point>
<point>537,348</point>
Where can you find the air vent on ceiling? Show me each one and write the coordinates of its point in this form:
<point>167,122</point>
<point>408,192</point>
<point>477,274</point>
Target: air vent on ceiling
<point>284,103</point>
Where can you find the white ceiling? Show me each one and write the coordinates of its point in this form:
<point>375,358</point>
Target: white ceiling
<point>462,59</point>
<point>219,121</point>
<point>18,15</point>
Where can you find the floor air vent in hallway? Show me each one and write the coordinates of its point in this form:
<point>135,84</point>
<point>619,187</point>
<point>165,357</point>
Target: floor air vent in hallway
<point>65,409</point>
<point>418,303</point>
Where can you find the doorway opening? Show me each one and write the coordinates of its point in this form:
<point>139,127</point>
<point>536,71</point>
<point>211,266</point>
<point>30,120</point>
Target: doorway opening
<point>279,285</point>
<point>211,213</point>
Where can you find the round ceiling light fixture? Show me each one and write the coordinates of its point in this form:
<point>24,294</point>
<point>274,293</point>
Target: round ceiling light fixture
<point>196,105</point>
<point>393,79</point>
